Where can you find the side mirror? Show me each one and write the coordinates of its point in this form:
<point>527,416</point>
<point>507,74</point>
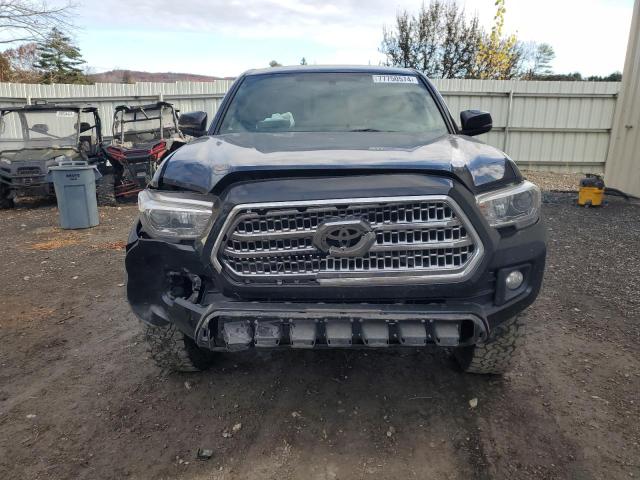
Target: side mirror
<point>193,124</point>
<point>475,122</point>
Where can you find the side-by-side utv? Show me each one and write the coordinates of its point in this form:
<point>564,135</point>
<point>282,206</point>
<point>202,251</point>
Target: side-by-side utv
<point>143,136</point>
<point>36,137</point>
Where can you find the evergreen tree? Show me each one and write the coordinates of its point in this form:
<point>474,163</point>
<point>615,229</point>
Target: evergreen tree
<point>537,59</point>
<point>59,60</point>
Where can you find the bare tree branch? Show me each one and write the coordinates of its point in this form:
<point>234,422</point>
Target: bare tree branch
<point>31,20</point>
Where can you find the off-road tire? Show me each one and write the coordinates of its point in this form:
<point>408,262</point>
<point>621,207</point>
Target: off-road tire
<point>496,354</point>
<point>5,200</point>
<point>173,350</point>
<point>105,191</point>
<point>6,203</point>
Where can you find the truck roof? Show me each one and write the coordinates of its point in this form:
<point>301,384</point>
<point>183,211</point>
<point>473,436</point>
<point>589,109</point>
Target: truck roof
<point>381,70</point>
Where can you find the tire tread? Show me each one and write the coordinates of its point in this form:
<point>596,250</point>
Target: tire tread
<point>495,356</point>
<point>172,350</point>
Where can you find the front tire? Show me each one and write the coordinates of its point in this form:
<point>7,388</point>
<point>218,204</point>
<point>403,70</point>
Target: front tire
<point>6,201</point>
<point>173,350</point>
<point>496,355</point>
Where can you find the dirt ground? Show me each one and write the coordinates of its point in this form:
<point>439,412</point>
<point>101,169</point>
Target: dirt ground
<point>79,397</point>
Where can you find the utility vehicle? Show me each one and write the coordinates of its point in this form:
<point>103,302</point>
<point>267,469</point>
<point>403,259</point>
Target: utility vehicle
<point>36,137</point>
<point>142,136</point>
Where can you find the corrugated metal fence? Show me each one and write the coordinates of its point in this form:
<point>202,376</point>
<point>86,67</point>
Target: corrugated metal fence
<point>186,96</point>
<point>559,126</point>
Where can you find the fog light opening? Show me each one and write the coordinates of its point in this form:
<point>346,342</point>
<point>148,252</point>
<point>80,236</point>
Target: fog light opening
<point>514,280</point>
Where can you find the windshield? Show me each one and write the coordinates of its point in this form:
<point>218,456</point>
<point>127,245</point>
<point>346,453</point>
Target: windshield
<point>42,129</point>
<point>333,102</point>
<point>147,121</point>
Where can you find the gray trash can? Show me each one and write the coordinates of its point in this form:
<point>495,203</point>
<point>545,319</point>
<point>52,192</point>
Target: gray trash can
<point>75,185</point>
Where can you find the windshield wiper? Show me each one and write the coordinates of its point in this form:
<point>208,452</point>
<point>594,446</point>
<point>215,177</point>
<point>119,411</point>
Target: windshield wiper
<point>365,130</point>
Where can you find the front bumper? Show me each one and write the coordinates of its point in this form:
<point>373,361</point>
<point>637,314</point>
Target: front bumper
<point>27,184</point>
<point>176,283</point>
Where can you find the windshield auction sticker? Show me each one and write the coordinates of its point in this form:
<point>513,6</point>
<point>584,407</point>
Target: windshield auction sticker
<point>65,113</point>
<point>394,79</point>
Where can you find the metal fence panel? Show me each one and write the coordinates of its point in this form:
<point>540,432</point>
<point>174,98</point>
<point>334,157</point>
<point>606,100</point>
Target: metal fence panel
<point>561,126</point>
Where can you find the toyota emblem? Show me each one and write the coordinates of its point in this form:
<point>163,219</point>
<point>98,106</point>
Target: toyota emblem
<point>344,238</point>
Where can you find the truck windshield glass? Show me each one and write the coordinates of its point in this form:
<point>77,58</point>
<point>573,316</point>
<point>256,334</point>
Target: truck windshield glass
<point>333,102</point>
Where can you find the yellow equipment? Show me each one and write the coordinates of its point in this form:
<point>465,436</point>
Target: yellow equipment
<point>591,192</point>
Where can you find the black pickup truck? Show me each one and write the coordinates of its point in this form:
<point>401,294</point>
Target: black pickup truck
<point>336,207</point>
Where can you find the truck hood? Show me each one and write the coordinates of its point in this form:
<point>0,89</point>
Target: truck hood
<point>204,163</point>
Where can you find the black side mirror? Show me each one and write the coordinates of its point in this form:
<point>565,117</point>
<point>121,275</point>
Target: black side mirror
<point>193,123</point>
<point>475,122</point>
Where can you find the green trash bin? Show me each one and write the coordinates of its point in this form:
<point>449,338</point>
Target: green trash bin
<point>75,185</point>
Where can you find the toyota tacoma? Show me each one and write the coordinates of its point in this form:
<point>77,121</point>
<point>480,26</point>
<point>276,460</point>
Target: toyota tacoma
<point>336,207</point>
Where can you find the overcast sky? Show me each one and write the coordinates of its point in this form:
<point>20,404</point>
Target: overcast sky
<point>224,38</point>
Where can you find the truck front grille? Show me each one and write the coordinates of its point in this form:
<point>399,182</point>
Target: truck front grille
<point>414,239</point>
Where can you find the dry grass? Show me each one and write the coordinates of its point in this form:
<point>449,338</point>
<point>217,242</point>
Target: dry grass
<point>117,245</point>
<point>54,244</point>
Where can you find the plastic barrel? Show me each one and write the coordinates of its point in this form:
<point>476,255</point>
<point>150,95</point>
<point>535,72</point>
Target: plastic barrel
<point>75,186</point>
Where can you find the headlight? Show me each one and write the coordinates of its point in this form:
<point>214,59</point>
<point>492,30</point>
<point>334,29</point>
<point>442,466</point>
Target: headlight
<point>175,215</point>
<point>518,206</point>
<point>5,160</point>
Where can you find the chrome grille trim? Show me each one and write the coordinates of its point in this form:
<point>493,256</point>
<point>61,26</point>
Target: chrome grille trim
<point>435,243</point>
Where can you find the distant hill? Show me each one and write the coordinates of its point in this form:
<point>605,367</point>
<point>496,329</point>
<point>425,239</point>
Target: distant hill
<point>132,76</point>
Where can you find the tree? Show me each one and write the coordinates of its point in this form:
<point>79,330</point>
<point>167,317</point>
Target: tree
<point>542,60</point>
<point>274,63</point>
<point>127,77</point>
<point>460,46</point>
<point>22,60</point>
<point>399,44</point>
<point>538,58</point>
<point>613,77</point>
<point>6,73</point>
<point>303,61</point>
<point>567,77</point>
<point>440,41</point>
<point>498,57</point>
<point>59,60</point>
<point>29,20</point>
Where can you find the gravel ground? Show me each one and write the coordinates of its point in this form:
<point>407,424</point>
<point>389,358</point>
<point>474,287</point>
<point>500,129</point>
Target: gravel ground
<point>563,182</point>
<point>79,397</point>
